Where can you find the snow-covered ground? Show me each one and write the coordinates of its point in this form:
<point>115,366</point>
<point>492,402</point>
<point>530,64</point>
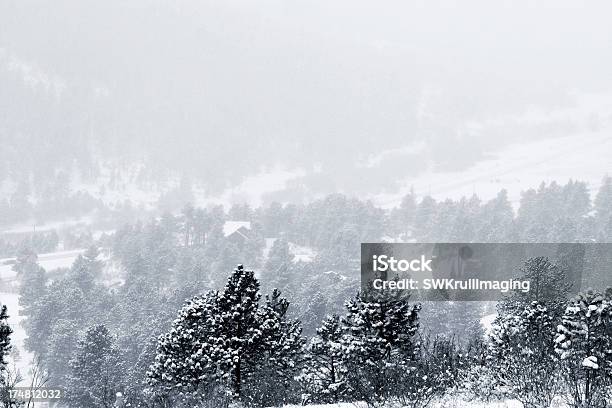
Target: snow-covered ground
<point>487,322</point>
<point>49,261</point>
<point>302,253</point>
<point>516,168</point>
<point>581,153</point>
<point>450,402</point>
<point>33,226</point>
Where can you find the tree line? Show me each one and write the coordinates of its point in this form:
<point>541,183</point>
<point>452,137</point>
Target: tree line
<point>171,258</point>
<point>233,346</point>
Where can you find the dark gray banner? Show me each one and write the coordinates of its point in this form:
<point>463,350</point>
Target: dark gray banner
<point>483,271</point>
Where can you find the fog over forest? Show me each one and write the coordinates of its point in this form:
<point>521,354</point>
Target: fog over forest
<point>319,96</point>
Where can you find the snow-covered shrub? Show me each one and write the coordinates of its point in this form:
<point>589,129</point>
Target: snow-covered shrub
<point>523,355</point>
<point>584,343</point>
<point>435,371</point>
<point>482,383</point>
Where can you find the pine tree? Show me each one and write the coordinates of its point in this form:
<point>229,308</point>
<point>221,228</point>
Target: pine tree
<point>33,280</point>
<point>603,200</point>
<point>228,340</point>
<point>549,287</point>
<point>6,382</point>
<point>60,347</point>
<point>576,200</point>
<point>379,345</point>
<point>184,362</point>
<point>496,219</point>
<point>425,219</point>
<point>239,336</point>
<point>5,338</point>
<point>281,357</point>
<point>402,218</point>
<point>279,262</point>
<point>584,343</point>
<point>96,370</point>
<point>603,210</point>
<point>324,375</point>
<point>86,269</point>
<point>522,340</point>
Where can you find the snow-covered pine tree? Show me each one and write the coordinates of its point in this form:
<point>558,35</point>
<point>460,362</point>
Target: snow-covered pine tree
<point>323,376</point>
<point>278,260</point>
<point>33,280</point>
<point>238,337</point>
<point>184,363</point>
<point>523,357</point>
<point>522,340</point>
<point>227,340</point>
<point>584,343</point>
<point>96,370</point>
<point>379,345</point>
<point>277,364</point>
<point>5,338</point>
<point>549,287</point>
<point>6,383</point>
<point>86,269</point>
<point>603,210</point>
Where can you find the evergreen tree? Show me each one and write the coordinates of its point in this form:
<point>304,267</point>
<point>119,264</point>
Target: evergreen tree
<point>402,218</point>
<point>496,219</point>
<point>603,210</point>
<point>380,345</point>
<point>5,338</point>
<point>324,374</point>
<point>425,219</point>
<point>96,371</point>
<point>278,262</point>
<point>183,363</point>
<point>603,200</point>
<point>239,338</point>
<point>280,359</point>
<point>86,269</point>
<point>6,382</point>
<point>60,347</point>
<point>549,287</point>
<point>522,341</point>
<point>576,200</point>
<point>227,339</point>
<point>33,280</point>
<point>312,308</point>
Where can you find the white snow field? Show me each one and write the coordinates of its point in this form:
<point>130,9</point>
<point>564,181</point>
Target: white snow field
<point>582,153</point>
<point>49,261</point>
<point>515,169</point>
<point>452,402</point>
